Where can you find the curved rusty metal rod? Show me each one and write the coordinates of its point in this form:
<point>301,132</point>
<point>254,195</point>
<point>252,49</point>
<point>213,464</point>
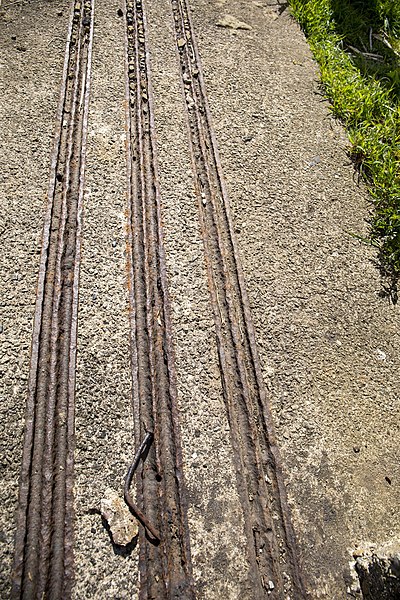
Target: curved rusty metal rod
<point>128,480</point>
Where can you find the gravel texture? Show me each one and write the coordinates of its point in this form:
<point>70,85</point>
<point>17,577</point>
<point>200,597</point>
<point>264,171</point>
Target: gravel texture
<point>29,90</point>
<point>104,423</point>
<point>215,515</point>
<point>328,341</point>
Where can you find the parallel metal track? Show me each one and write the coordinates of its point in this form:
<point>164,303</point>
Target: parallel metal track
<point>165,569</point>
<point>43,564</point>
<point>274,565</point>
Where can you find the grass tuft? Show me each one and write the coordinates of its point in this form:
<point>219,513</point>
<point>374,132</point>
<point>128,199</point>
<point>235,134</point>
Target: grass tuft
<point>357,45</point>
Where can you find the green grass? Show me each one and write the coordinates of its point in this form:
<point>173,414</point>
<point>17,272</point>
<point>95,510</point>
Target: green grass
<point>357,45</point>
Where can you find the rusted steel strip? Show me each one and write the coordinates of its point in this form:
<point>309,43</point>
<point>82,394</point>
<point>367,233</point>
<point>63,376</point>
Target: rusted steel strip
<point>165,569</point>
<point>43,547</point>
<point>274,561</point>
<point>142,450</point>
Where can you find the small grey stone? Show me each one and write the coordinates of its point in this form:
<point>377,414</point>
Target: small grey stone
<point>231,22</point>
<point>122,524</point>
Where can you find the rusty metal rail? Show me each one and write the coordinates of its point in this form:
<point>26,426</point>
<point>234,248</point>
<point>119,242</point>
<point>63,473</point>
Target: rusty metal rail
<point>165,568</point>
<point>274,564</point>
<point>43,562</point>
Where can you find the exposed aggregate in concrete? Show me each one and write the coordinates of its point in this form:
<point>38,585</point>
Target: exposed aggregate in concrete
<point>215,515</point>
<point>104,422</point>
<point>328,342</point>
<point>29,90</point>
